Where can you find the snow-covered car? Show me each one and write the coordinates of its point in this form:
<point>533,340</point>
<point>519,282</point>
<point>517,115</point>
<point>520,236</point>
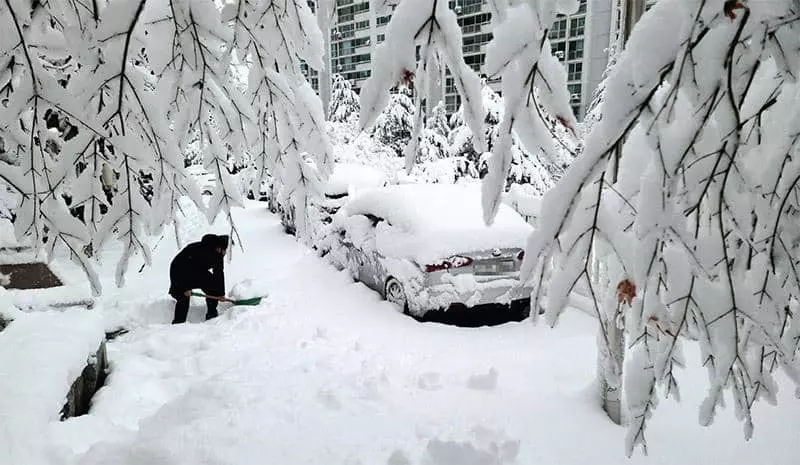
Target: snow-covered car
<point>205,180</point>
<point>425,247</point>
<point>346,178</point>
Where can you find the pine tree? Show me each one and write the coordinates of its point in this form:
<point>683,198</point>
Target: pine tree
<point>393,126</point>
<point>344,101</point>
<point>525,168</point>
<point>433,145</point>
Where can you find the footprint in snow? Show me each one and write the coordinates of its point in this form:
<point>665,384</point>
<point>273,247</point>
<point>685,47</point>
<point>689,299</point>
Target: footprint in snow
<point>484,382</point>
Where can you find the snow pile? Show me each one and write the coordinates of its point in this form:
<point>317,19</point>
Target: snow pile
<point>247,289</point>
<point>525,201</point>
<point>347,176</point>
<point>433,221</point>
<point>41,355</point>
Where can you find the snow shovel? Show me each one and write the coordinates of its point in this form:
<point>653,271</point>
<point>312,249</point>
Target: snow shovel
<point>250,301</point>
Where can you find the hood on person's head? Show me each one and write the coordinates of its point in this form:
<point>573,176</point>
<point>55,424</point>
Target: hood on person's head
<point>215,242</point>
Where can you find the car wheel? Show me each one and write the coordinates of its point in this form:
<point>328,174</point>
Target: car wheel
<point>395,294</point>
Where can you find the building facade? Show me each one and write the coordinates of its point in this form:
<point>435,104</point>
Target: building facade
<point>580,41</point>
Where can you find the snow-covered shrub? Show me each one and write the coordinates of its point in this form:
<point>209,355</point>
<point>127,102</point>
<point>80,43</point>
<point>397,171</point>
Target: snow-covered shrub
<point>393,126</point>
<point>344,101</point>
<point>688,184</point>
<point>124,86</point>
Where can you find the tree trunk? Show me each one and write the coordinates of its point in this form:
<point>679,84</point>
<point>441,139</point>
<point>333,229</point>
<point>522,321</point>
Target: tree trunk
<point>610,356</point>
<point>609,371</point>
<point>611,359</point>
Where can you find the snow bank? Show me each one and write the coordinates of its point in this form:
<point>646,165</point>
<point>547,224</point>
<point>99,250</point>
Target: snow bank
<point>347,176</point>
<point>41,355</point>
<point>430,222</point>
<point>525,201</point>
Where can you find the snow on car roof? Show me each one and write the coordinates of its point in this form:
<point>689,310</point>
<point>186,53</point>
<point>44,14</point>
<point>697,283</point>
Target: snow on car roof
<point>434,221</point>
<point>349,175</point>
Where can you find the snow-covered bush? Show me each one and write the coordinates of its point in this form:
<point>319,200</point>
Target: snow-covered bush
<point>344,101</point>
<point>131,83</point>
<point>688,184</point>
<point>393,126</point>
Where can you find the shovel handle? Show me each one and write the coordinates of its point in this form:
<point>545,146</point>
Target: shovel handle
<point>221,299</point>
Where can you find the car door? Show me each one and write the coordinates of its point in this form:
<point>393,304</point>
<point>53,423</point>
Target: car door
<point>363,261</point>
<point>372,269</point>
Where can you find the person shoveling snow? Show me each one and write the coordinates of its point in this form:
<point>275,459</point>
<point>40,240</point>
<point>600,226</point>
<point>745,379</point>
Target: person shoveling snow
<point>199,266</point>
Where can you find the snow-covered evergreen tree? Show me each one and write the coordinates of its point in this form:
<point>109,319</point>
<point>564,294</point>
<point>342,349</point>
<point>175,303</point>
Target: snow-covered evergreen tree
<point>344,101</point>
<point>437,121</point>
<point>525,168</point>
<point>393,126</point>
<point>433,144</point>
<point>137,80</point>
<point>696,210</point>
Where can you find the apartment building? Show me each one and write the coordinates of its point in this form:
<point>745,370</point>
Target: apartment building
<point>580,41</point>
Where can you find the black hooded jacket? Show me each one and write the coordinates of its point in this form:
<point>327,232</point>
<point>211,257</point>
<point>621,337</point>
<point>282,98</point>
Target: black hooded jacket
<point>199,265</point>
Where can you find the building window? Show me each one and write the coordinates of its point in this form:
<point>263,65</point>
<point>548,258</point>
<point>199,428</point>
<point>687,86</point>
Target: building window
<point>582,7</point>
<point>574,93</point>
<point>559,29</point>
<point>575,50</point>
<point>576,26</point>
<point>383,19</point>
<point>559,50</point>
<point>357,76</point>
<point>574,71</point>
<point>451,103</point>
<point>472,24</point>
<point>381,38</point>
<point>475,61</point>
<point>450,86</point>
<point>473,44</point>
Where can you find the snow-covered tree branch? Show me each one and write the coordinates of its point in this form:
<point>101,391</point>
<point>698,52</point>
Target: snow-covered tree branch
<point>688,183</point>
<point>431,25</point>
<point>137,82</point>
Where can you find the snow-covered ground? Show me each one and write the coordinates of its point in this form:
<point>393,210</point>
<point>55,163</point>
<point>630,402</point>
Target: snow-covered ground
<point>325,372</point>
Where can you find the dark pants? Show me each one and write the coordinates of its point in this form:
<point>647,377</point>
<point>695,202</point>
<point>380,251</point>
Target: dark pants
<point>209,287</point>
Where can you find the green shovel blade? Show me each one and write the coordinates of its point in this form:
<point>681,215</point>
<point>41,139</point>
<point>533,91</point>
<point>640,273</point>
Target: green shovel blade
<point>251,301</point>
